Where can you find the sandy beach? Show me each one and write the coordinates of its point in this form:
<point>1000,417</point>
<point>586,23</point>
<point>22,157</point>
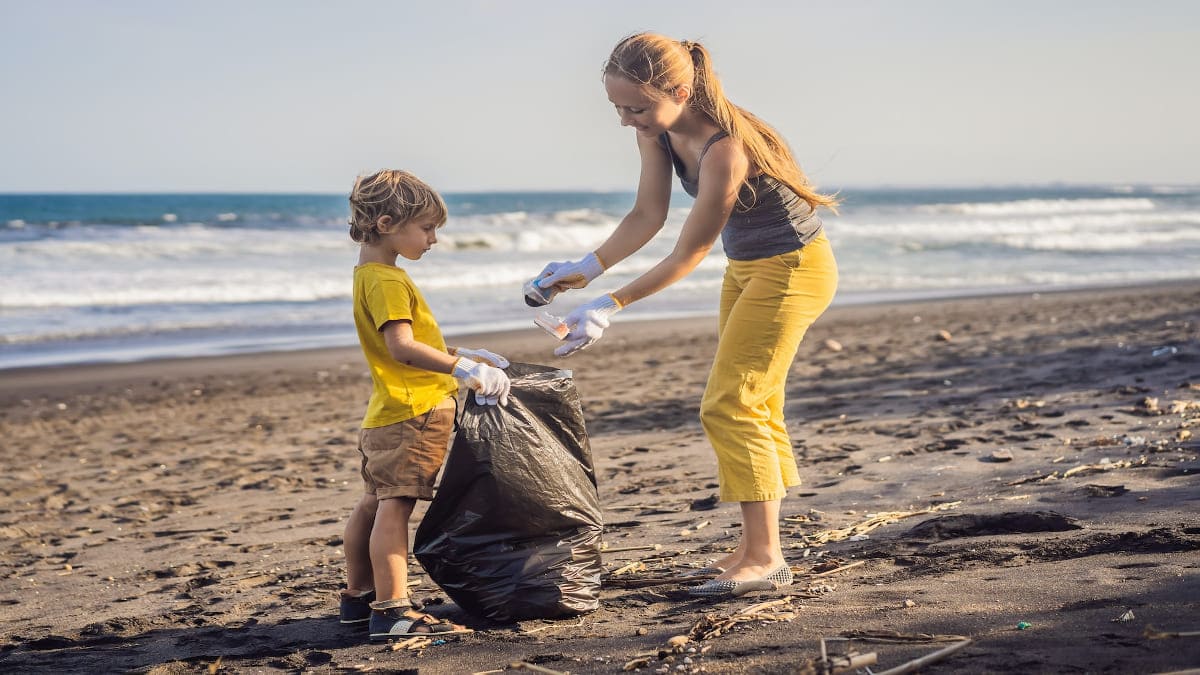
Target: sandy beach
<point>971,466</point>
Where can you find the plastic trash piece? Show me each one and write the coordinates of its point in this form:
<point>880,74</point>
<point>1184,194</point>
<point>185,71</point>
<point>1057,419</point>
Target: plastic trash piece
<point>553,325</point>
<point>536,296</point>
<point>1022,625</point>
<point>514,529</point>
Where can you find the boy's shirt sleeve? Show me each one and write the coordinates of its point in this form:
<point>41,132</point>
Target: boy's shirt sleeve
<point>389,300</point>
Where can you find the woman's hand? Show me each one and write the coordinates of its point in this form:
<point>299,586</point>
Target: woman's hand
<point>587,323</point>
<point>561,276</point>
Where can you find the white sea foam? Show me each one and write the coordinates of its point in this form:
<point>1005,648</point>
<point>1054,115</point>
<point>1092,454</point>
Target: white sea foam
<point>1029,207</point>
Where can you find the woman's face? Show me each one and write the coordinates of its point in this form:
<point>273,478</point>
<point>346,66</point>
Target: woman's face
<point>637,107</point>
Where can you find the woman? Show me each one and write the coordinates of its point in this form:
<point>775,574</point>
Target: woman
<point>781,274</point>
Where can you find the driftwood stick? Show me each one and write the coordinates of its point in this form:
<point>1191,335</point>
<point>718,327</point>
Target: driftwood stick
<point>843,568</point>
<point>525,665</point>
<point>622,549</point>
<point>917,664</point>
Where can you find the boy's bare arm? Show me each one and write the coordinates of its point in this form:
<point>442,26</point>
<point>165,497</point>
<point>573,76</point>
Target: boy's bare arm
<point>406,349</point>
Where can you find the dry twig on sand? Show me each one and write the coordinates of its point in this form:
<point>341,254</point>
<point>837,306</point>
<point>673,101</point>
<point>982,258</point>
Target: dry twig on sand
<point>917,664</point>
<point>711,626</point>
<point>896,637</point>
<point>874,522</point>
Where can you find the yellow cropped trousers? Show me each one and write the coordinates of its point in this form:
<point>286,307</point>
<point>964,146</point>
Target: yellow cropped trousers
<point>766,307</point>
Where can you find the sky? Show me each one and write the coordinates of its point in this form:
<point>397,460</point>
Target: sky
<point>483,95</point>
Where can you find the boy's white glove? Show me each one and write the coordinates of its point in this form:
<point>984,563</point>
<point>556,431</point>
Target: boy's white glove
<point>491,384</point>
<point>571,274</point>
<point>587,323</point>
<point>482,356</point>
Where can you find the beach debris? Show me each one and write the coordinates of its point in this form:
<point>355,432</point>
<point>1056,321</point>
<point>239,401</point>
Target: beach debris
<point>1183,435</point>
<point>858,537</point>
<point>1182,407</point>
<point>1021,404</point>
<point>414,643</point>
<point>533,667</point>
<point>706,504</point>
<point>919,663</point>
<point>841,662</point>
<point>1164,351</point>
<point>215,666</point>
<point>635,566</point>
<point>873,521</point>
<point>1024,625</point>
<point>1152,633</point>
<point>896,637</point>
<point>1001,455</point>
<point>833,345</point>
<point>944,335</point>
<point>1081,470</point>
<point>604,548</point>
<point>712,626</point>
<point>909,604</point>
<point>1124,618</point>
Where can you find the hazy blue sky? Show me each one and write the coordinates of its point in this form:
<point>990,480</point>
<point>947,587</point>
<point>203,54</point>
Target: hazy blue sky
<point>300,96</point>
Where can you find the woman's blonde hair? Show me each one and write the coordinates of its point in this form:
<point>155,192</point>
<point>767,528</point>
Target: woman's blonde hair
<point>662,65</point>
<point>394,193</point>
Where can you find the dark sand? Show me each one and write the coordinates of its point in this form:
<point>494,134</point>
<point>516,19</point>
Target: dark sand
<point>186,516</point>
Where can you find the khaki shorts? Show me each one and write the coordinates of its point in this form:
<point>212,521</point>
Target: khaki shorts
<point>403,459</point>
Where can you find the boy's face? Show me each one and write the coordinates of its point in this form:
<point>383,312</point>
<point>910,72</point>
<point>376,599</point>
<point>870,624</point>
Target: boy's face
<point>412,239</point>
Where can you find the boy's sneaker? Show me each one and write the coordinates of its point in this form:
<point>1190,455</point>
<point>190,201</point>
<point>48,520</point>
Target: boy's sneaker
<point>356,609</point>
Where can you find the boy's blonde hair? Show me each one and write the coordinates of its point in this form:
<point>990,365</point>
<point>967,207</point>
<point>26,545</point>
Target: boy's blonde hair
<point>395,193</point>
<point>662,65</point>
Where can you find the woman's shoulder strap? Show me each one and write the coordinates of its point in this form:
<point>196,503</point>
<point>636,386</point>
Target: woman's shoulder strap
<point>712,139</point>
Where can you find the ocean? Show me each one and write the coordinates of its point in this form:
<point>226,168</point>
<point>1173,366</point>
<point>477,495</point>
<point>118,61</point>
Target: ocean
<point>126,277</point>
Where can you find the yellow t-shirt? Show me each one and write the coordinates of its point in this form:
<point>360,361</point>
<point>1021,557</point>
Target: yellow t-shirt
<point>385,293</point>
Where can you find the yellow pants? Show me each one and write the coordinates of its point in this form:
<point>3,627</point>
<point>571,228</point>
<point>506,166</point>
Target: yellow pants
<point>766,307</point>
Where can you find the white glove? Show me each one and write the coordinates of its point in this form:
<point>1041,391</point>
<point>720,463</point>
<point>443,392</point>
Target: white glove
<point>491,384</point>
<point>482,356</point>
<point>587,323</point>
<point>576,274</point>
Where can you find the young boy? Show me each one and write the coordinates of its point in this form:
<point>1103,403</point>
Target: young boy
<point>410,416</point>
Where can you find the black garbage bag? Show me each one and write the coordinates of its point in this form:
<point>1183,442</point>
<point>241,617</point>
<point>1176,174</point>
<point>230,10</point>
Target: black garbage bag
<point>514,529</point>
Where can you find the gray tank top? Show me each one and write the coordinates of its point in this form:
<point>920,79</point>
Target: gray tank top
<point>768,220</point>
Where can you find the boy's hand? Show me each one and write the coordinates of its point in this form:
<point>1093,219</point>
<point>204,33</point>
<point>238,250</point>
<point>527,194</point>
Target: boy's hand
<point>491,385</point>
<point>571,274</point>
<point>587,323</point>
<point>482,356</point>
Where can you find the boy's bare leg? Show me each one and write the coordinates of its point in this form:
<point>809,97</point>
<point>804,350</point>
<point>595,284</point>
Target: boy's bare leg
<point>356,542</point>
<point>389,548</point>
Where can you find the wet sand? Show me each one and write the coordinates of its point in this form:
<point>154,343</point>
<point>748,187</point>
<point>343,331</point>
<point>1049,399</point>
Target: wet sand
<point>1037,454</point>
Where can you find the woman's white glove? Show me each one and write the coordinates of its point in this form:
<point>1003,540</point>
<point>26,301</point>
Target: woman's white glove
<point>482,356</point>
<point>570,274</point>
<point>491,384</point>
<point>587,323</point>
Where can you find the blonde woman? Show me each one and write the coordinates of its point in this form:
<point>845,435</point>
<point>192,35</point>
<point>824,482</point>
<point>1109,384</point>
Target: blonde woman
<point>781,274</point>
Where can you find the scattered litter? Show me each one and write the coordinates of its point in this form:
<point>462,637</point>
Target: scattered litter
<point>909,603</point>
<point>917,664</point>
<point>1164,351</point>
<point>944,335</point>
<point>1024,625</point>
<point>858,537</point>
<point>833,345</point>
<point>1124,618</point>
<point>876,521</point>
<point>1001,455</point>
